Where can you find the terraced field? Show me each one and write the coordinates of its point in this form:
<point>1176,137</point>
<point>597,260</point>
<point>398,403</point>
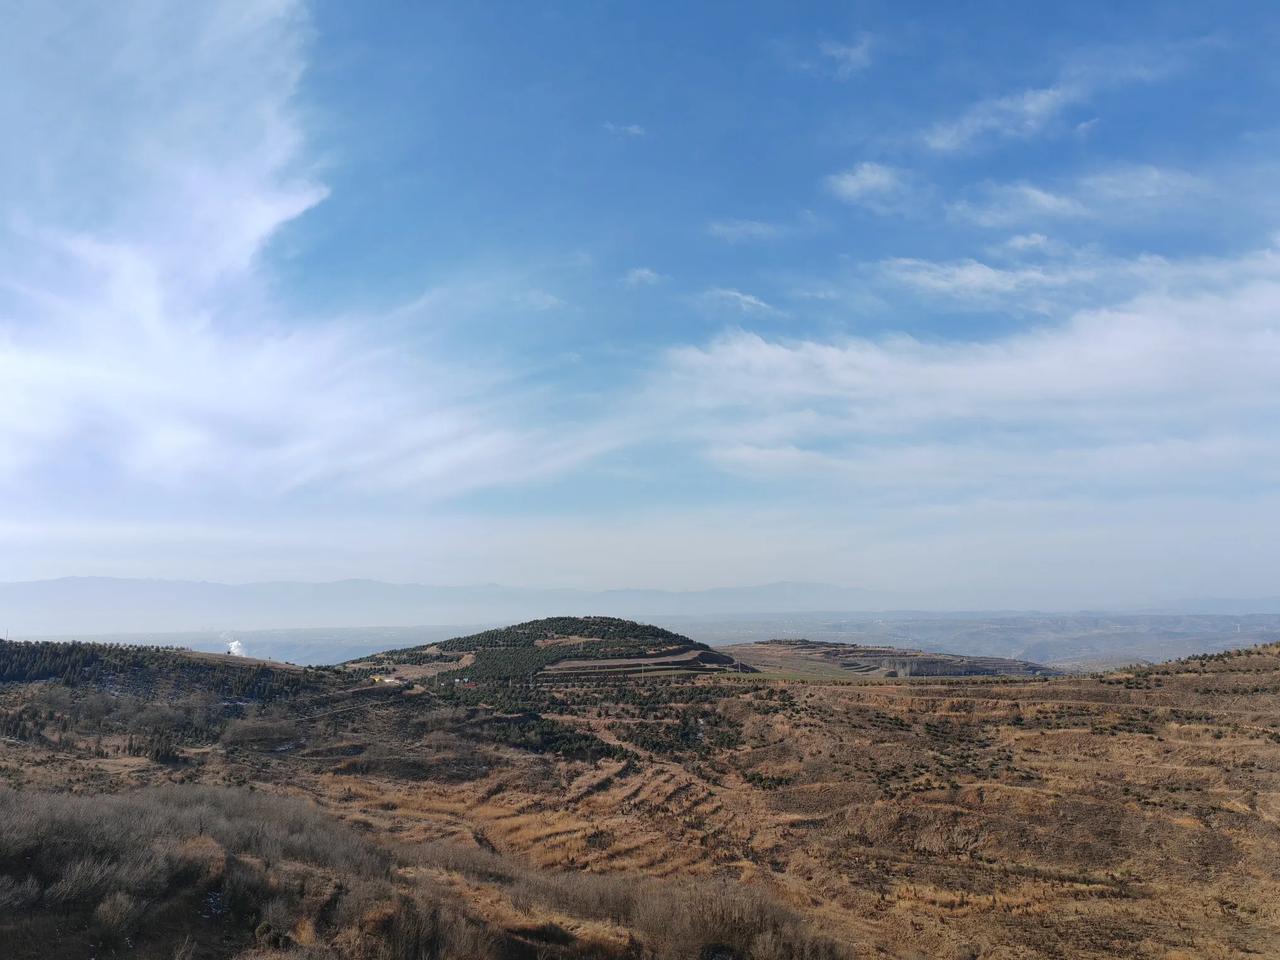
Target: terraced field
<point>817,659</point>
<point>1131,815</point>
<point>558,646</point>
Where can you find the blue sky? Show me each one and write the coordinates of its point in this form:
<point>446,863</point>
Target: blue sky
<point>976,306</point>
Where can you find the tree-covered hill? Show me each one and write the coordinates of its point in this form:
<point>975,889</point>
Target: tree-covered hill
<point>524,649</point>
<point>151,670</point>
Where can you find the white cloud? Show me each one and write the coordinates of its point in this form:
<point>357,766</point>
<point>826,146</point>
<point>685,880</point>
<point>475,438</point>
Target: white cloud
<point>1066,279</point>
<point>1105,194</point>
<point>642,277</point>
<point>1141,184</point>
<point>743,302</point>
<point>539,300</point>
<point>846,59</point>
<point>866,179</point>
<point>831,59</point>
<point>880,188</point>
<point>1009,204</point>
<point>625,129</point>
<point>978,282</point>
<point>1176,387</point>
<point>745,231</point>
<point>1024,243</point>
<point>1027,113</point>
<point>1021,115</point>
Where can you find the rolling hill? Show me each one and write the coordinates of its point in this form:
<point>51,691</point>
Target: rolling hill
<point>160,804</point>
<point>554,648</point>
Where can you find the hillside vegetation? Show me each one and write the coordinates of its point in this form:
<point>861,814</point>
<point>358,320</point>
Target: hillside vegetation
<point>623,814</point>
<point>153,670</point>
<point>527,649</point>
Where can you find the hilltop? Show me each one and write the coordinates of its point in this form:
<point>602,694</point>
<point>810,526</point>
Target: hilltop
<point>554,648</point>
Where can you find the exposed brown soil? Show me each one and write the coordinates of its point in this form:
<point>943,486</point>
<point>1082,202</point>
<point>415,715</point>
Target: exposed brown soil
<point>816,659</point>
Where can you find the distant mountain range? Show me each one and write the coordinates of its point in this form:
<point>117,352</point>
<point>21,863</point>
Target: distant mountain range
<point>100,605</point>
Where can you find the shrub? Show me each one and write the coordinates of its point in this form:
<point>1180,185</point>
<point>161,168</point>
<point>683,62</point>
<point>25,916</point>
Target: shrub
<point>116,916</point>
<point>676,920</point>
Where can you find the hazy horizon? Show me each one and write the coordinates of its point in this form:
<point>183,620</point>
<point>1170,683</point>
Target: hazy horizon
<point>94,607</point>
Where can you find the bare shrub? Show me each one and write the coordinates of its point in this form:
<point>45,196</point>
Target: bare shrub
<point>100,859</point>
<point>475,862</point>
<point>84,879</point>
<point>259,733</point>
<point>727,919</point>
<point>276,867</point>
<point>245,886</point>
<point>117,916</point>
<point>675,920</point>
<point>18,895</point>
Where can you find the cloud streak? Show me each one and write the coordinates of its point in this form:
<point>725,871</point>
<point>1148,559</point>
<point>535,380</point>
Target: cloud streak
<point>1028,113</point>
<point>642,277</point>
<point>876,186</point>
<point>745,231</point>
<point>846,59</point>
<point>1174,386</point>
<point>1129,192</point>
<point>746,303</point>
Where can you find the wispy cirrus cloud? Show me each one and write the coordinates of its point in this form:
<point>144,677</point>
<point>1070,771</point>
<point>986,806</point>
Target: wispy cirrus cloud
<point>1172,385</point>
<point>836,59</point>
<point>1016,115</point>
<point>1132,184</point>
<point>1063,279</point>
<point>746,231</point>
<point>1122,191</point>
<point>876,186</point>
<point>1027,113</point>
<point>538,300</point>
<point>141,342</point>
<point>746,303</point>
<point>846,59</point>
<point>1010,204</point>
<point>1022,244</point>
<point>642,277</point>
<point>625,130</point>
<point>970,281</point>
